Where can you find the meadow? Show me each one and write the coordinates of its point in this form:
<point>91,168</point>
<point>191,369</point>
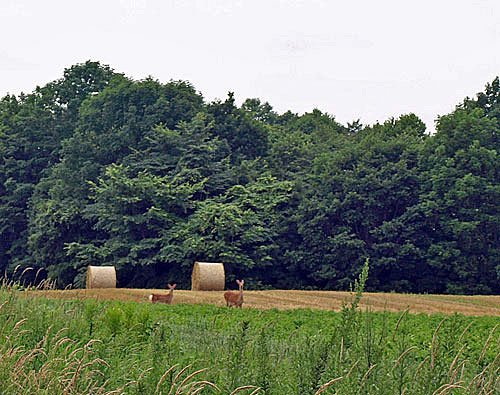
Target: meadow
<point>88,346</point>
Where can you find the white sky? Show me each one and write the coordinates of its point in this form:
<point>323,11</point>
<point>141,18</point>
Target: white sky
<point>353,59</point>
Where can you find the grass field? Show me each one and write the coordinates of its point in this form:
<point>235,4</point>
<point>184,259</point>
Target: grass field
<point>114,341</point>
<point>324,300</point>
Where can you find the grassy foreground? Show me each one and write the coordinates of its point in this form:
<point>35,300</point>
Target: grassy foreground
<point>50,346</point>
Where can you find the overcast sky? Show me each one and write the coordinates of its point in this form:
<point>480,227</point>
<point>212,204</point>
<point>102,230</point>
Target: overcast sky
<point>353,59</point>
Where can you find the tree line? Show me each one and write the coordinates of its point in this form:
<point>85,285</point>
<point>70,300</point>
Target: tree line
<point>97,168</point>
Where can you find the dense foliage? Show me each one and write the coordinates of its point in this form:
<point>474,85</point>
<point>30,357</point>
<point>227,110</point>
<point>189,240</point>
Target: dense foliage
<point>96,168</point>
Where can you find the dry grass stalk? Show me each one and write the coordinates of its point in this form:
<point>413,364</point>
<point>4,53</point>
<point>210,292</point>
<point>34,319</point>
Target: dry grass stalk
<point>247,387</point>
<point>188,378</point>
<point>200,386</point>
<point>479,381</point>
<point>404,314</point>
<point>365,377</point>
<point>464,332</point>
<point>327,385</point>
<point>143,373</point>
<point>119,391</point>
<point>25,271</point>
<point>101,277</point>
<point>452,372</point>
<point>487,343</point>
<point>187,385</point>
<point>163,377</point>
<point>354,365</point>
<point>20,323</point>
<point>403,354</point>
<point>419,367</point>
<point>180,373</point>
<point>341,352</point>
<point>76,374</point>
<point>446,388</point>
<point>208,276</point>
<point>434,343</point>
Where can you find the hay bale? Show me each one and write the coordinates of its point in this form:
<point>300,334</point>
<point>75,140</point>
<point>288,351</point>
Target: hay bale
<point>208,276</point>
<point>101,277</point>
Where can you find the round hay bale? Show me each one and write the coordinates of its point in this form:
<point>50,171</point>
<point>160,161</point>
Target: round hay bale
<point>208,276</point>
<point>101,277</point>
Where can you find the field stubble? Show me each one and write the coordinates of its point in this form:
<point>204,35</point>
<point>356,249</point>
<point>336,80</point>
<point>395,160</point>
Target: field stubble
<point>294,299</point>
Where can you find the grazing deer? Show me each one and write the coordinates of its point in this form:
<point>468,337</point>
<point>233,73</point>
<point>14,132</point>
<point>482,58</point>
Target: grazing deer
<point>235,298</point>
<point>163,298</point>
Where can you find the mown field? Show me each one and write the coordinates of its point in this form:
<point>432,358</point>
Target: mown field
<point>293,299</point>
<point>87,344</point>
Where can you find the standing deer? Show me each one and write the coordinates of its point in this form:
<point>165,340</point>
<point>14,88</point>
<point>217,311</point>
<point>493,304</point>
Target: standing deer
<point>235,298</point>
<point>163,298</point>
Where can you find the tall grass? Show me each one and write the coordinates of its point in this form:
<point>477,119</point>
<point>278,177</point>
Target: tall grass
<point>92,347</point>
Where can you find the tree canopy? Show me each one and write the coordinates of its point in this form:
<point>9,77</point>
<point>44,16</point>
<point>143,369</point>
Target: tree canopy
<point>97,168</point>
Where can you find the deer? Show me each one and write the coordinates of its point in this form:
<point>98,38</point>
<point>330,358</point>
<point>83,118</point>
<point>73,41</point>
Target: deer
<point>235,298</point>
<point>154,298</point>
